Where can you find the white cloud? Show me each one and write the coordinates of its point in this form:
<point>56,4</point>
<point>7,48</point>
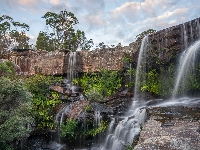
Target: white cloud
<point>54,2</point>
<point>28,3</point>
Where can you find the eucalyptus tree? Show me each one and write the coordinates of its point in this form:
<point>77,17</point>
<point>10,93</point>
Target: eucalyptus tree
<point>12,31</point>
<point>62,31</point>
<point>44,41</point>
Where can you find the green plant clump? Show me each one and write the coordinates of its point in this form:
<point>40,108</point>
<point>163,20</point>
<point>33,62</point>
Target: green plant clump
<point>68,128</point>
<point>152,84</point>
<point>43,100</point>
<point>7,69</point>
<point>101,128</point>
<point>15,106</point>
<point>98,85</point>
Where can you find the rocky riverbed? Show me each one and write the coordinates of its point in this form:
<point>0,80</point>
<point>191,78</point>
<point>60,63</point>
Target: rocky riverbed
<point>172,127</point>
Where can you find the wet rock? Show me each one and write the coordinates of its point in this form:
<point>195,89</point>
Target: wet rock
<point>181,136</point>
<point>67,92</point>
<point>174,128</point>
<point>57,89</point>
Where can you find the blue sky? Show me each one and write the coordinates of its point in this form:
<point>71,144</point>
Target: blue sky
<point>108,21</point>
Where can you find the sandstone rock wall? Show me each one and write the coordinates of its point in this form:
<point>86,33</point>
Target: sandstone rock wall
<point>165,45</point>
<point>33,62</point>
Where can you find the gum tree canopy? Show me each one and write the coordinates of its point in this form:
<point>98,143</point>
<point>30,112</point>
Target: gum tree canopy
<point>61,33</point>
<point>12,34</point>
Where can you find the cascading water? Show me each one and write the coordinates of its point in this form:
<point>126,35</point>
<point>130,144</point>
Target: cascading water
<point>191,31</point>
<point>129,126</point>
<point>140,66</point>
<point>186,67</point>
<point>185,38</point>
<point>71,73</point>
<point>97,118</point>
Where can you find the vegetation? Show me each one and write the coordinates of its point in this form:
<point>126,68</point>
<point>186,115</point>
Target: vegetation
<point>151,84</point>
<point>68,128</point>
<point>44,42</point>
<point>43,100</point>
<point>98,85</point>
<point>7,69</point>
<point>144,33</point>
<point>15,106</point>
<point>101,128</point>
<point>12,34</point>
<point>62,34</point>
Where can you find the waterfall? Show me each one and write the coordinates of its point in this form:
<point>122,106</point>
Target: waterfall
<point>128,127</point>
<point>198,27</point>
<point>140,66</point>
<point>191,33</point>
<point>125,131</point>
<point>186,67</point>
<point>71,73</point>
<point>185,38</point>
<point>97,118</point>
<point>61,115</point>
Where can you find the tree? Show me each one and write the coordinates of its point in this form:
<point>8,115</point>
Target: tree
<point>20,38</point>
<point>9,33</point>
<point>144,33</point>
<point>15,105</point>
<point>63,34</point>
<point>44,42</point>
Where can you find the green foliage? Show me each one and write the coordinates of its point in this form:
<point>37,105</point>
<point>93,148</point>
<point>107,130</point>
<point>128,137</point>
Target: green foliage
<point>131,73</point>
<point>151,84</point>
<point>62,32</point>
<point>39,84</point>
<point>15,106</point>
<point>101,128</point>
<point>43,100</point>
<point>44,42</point>
<point>7,69</point>
<point>4,146</point>
<point>88,108</point>
<point>10,31</point>
<point>20,38</point>
<point>94,95</point>
<point>192,81</point>
<point>128,147</point>
<point>127,60</point>
<point>144,33</point>
<point>42,110</point>
<point>159,81</point>
<point>97,86</point>
<point>68,129</point>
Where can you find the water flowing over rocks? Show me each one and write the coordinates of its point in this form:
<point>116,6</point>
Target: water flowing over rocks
<point>176,127</point>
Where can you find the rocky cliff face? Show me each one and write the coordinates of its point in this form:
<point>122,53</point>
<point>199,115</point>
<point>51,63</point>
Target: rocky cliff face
<point>33,62</point>
<point>168,43</point>
<point>165,45</point>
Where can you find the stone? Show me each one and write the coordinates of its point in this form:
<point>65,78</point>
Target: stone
<point>166,45</point>
<point>169,128</point>
<point>57,89</point>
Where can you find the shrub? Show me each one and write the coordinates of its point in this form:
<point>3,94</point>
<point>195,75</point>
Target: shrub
<point>15,105</point>
<point>43,100</point>
<point>98,85</point>
<point>7,69</point>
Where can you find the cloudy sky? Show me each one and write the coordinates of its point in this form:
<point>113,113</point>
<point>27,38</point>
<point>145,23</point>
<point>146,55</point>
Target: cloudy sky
<point>108,21</point>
